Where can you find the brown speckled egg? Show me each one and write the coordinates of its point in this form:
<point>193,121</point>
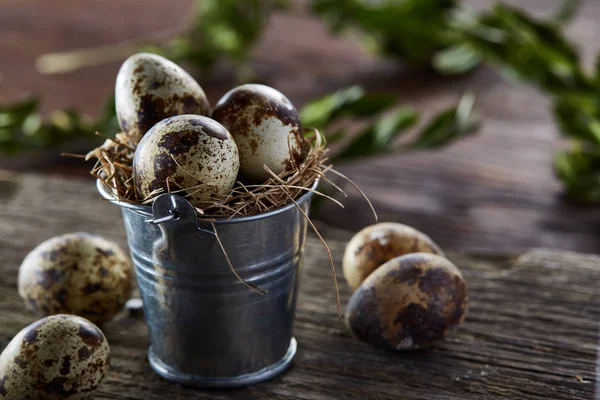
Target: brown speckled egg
<point>379,243</point>
<point>150,88</point>
<point>191,152</point>
<point>408,303</point>
<point>76,273</point>
<point>58,357</point>
<point>266,127</point>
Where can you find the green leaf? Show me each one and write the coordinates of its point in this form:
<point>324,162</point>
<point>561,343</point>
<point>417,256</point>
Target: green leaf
<point>22,128</point>
<point>377,138</point>
<point>577,115</point>
<point>448,126</point>
<point>220,29</point>
<point>594,128</point>
<point>596,72</point>
<point>579,170</point>
<point>410,29</point>
<point>320,112</point>
<point>351,102</point>
<point>367,106</point>
<point>16,113</point>
<point>457,59</point>
<point>534,50</point>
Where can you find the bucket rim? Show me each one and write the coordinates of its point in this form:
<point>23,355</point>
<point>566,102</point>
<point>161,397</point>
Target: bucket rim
<point>146,210</point>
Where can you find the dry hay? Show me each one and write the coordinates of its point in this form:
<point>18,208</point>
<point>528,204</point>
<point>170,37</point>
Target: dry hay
<point>114,169</point>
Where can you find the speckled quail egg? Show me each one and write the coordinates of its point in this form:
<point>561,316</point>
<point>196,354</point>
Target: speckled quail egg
<point>379,243</point>
<point>150,88</point>
<point>410,302</point>
<point>266,127</point>
<point>58,357</point>
<point>76,273</point>
<point>191,152</point>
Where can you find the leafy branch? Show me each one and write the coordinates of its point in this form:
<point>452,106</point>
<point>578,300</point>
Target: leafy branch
<point>383,122</point>
<point>421,32</point>
<point>537,52</point>
<point>412,30</point>
<point>22,128</point>
<point>386,122</point>
<point>522,47</point>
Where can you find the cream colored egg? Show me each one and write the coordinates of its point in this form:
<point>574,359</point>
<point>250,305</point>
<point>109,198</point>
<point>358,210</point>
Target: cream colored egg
<point>150,88</point>
<point>58,357</point>
<point>379,243</point>
<point>77,273</point>
<point>189,152</point>
<point>266,127</point>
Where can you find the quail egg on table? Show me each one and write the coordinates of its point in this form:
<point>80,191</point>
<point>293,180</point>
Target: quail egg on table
<point>408,303</point>
<point>57,357</point>
<point>150,88</point>
<point>77,273</point>
<point>379,243</point>
<point>266,127</point>
<point>187,152</point>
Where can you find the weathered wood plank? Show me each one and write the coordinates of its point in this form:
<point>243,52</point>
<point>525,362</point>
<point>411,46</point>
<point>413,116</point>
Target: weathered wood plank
<point>531,330</point>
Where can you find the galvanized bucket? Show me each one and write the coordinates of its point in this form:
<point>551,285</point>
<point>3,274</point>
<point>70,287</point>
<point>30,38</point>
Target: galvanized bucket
<point>206,327</point>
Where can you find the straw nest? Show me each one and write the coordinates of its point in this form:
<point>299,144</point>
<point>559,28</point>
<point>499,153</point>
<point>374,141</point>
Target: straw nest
<point>114,169</point>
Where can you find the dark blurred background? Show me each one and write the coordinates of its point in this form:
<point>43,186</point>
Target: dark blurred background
<point>495,191</point>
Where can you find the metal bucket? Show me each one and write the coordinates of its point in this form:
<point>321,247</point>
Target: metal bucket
<point>206,327</point>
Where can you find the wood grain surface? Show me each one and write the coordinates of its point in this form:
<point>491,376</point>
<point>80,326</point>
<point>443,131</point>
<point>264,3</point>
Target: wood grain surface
<point>489,193</point>
<point>530,333</point>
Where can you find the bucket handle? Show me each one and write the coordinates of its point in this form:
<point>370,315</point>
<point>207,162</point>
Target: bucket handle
<point>170,207</point>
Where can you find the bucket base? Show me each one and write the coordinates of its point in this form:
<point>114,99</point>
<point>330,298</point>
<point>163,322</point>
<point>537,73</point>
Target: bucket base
<point>235,381</point>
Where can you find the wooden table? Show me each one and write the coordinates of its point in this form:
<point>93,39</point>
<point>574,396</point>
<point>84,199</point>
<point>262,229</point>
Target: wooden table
<point>531,330</point>
<point>530,333</point>
<point>490,193</point>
